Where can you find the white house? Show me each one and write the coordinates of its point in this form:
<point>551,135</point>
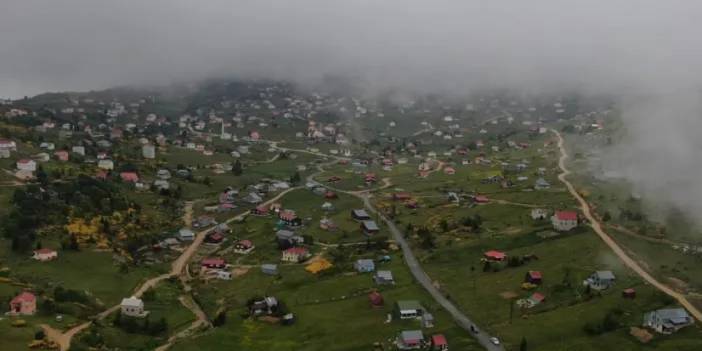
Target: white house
<point>148,151</point>
<point>45,255</point>
<point>601,280</point>
<point>26,165</point>
<point>80,150</point>
<point>564,220</point>
<point>668,320</point>
<point>133,307</point>
<point>106,164</point>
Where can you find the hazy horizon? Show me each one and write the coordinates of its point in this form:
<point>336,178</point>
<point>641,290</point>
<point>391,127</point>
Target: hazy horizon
<point>645,54</point>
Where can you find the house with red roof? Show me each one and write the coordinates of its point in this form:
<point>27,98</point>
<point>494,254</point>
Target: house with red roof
<point>261,210</point>
<point>243,246</point>
<point>62,155</point>
<point>564,220</point>
<point>449,170</point>
<point>330,195</point>
<point>129,177</point>
<point>481,199</point>
<point>8,145</point>
<point>533,277</point>
<point>401,196</point>
<point>370,178</point>
<point>295,255</point>
<point>535,299</point>
<point>45,255</point>
<point>333,179</point>
<point>376,299</point>
<point>494,255</point>
<point>290,218</point>
<point>254,135</point>
<point>213,263</point>
<point>23,304</point>
<point>439,343</point>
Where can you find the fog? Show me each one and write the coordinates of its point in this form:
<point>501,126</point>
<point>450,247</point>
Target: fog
<point>647,54</point>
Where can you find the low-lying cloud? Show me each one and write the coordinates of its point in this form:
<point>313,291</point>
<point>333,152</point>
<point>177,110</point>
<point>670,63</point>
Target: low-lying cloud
<point>645,53</point>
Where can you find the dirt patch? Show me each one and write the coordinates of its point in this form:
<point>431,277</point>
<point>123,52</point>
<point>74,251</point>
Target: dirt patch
<point>678,284</point>
<point>642,335</point>
<point>508,295</point>
<point>239,271</point>
<point>512,231</point>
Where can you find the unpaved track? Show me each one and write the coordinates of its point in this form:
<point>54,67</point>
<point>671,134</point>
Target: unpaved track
<point>177,268</point>
<point>597,227</point>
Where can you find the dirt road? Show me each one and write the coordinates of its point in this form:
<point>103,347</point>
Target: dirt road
<point>177,268</point>
<point>597,227</point>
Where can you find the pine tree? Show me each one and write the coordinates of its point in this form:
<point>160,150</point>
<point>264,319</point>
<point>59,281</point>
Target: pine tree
<point>237,168</point>
<point>523,345</point>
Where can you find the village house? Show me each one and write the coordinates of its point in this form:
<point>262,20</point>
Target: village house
<point>408,309</point>
<point>5,153</point>
<point>383,278</point>
<point>541,184</point>
<point>269,269</point>
<point>533,277</point>
<point>360,215</point>
<point>214,238</point>
<point>369,227</point>
<point>259,211</point>
<point>265,306</point>
<point>494,255</point>
<point>186,234</point>
<point>287,239</point>
<point>564,220</point>
<point>668,320</point>
<point>23,304</point>
<point>401,196</point>
<point>213,263</point>
<point>410,340</point>
<point>600,280</point>
<point>539,214</point>
<point>26,165</point>
<point>243,246</point>
<point>129,177</point>
<point>295,255</point>
<point>78,149</point>
<point>133,307</point>
<point>8,145</point>
<point>148,151</point>
<point>364,265</point>
<point>106,164</point>
<point>62,155</point>
<point>290,218</point>
<point>439,343</point>
<point>45,255</point>
<point>376,299</point>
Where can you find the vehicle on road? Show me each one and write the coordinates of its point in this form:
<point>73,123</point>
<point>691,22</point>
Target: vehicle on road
<point>494,340</point>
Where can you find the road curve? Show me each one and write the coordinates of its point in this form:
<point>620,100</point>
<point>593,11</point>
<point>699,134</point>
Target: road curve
<point>411,261</point>
<point>597,227</point>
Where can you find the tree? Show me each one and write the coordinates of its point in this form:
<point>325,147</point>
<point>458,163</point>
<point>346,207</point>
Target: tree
<point>237,169</point>
<point>295,178</point>
<point>39,335</point>
<point>220,319</point>
<point>523,345</point>
<point>606,217</point>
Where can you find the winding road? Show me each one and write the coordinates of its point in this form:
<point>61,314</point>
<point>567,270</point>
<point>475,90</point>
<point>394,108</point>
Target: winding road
<point>597,227</point>
<point>412,263</point>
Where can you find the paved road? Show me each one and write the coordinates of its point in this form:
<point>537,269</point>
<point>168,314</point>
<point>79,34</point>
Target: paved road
<point>597,227</point>
<point>411,260</point>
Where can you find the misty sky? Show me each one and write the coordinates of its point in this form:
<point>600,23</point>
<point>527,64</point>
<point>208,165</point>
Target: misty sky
<point>646,53</point>
<point>86,44</point>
